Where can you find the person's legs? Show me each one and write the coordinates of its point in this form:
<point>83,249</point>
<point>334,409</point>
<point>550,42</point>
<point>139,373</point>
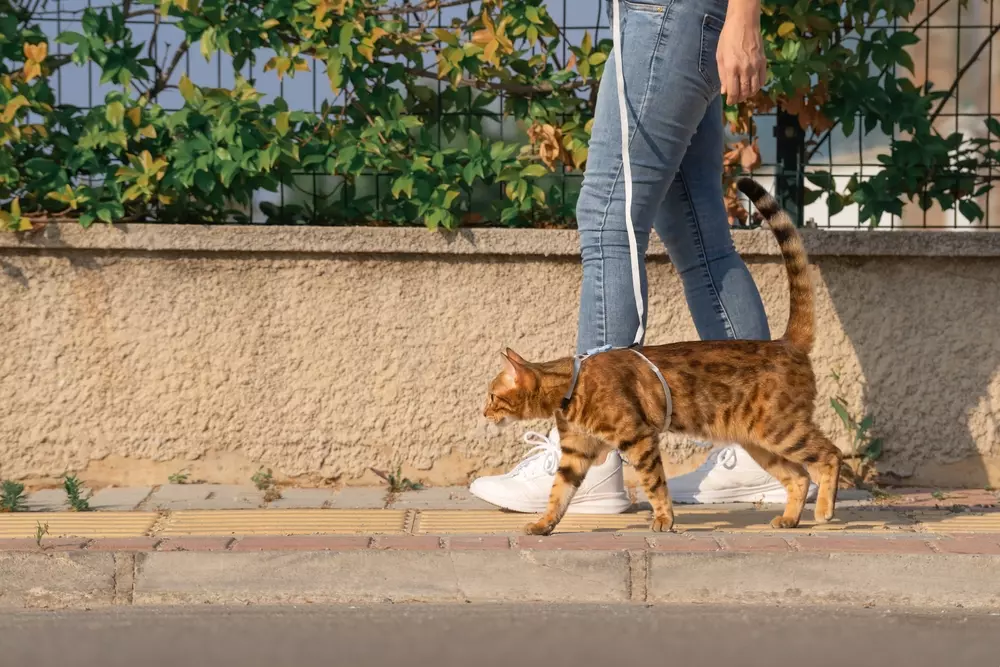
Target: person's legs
<point>722,297</point>
<point>670,81</point>
<point>692,223</point>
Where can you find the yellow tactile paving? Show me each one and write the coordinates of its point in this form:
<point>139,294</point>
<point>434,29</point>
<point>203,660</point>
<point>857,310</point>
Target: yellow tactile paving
<point>284,522</point>
<point>941,522</point>
<point>451,522</point>
<point>77,524</point>
<point>455,522</point>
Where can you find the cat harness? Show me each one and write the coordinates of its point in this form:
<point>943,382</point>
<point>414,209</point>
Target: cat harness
<point>578,362</point>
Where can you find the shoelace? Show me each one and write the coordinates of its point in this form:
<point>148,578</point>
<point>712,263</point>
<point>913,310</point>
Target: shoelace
<point>725,457</point>
<point>543,448</point>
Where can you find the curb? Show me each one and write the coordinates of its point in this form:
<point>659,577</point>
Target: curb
<point>897,572</point>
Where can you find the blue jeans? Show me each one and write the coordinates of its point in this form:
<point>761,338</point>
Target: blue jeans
<point>676,145</point>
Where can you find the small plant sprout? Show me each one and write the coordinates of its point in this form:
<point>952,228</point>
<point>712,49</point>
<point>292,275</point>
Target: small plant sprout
<point>41,530</point>
<point>74,494</point>
<point>179,477</point>
<point>399,484</point>
<point>264,481</point>
<point>11,496</point>
<point>865,448</point>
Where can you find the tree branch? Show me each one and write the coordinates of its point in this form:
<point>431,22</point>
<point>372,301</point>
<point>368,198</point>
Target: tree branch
<point>882,72</point>
<point>417,9</point>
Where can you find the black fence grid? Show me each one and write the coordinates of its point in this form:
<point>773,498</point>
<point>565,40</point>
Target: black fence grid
<point>952,47</point>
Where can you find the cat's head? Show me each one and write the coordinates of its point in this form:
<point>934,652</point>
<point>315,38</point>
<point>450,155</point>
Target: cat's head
<point>512,393</point>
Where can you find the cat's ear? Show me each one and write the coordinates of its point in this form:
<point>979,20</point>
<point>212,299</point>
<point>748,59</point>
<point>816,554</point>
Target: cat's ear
<point>514,356</point>
<point>514,370</point>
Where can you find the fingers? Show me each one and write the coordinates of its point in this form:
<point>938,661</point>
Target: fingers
<point>741,81</point>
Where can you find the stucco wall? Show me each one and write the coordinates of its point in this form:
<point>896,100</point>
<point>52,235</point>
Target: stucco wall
<point>136,351</point>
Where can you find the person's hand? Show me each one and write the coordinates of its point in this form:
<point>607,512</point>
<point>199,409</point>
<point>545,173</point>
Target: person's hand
<point>740,56</point>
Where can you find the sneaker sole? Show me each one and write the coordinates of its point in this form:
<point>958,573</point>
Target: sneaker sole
<point>767,493</point>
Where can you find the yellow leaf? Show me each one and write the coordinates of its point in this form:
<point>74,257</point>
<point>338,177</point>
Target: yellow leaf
<point>281,122</point>
<point>12,108</point>
<point>31,70</point>
<point>188,90</point>
<point>270,23</point>
<point>15,207</point>
<point>301,66</point>
<point>135,115</point>
<point>490,53</point>
<point>146,160</point>
<point>586,45</point>
<point>36,53</point>
<point>376,34</point>
<point>132,193</point>
<point>482,37</point>
<point>24,225</point>
<point>786,29</point>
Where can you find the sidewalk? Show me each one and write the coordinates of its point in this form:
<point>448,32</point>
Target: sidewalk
<point>186,544</point>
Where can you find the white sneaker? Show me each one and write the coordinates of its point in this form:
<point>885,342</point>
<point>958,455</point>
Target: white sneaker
<point>730,475</point>
<point>526,488</point>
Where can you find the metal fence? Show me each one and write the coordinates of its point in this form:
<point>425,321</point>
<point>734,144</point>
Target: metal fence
<point>951,47</point>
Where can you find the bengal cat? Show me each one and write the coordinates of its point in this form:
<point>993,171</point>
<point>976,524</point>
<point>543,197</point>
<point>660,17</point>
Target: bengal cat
<point>759,394</point>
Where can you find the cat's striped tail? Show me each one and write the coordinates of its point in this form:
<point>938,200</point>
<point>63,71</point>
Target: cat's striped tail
<point>800,310</point>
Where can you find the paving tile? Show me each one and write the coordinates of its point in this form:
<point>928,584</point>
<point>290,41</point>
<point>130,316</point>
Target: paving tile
<point>48,544</point>
<point>46,500</point>
<point>195,544</point>
<point>204,497</point>
<point>302,543</point>
<point>968,544</point>
<point>684,543</point>
<point>359,498</point>
<point>582,542</point>
<point>124,544</point>
<point>119,499</point>
<point>440,498</point>
<point>303,499</point>
<point>755,543</point>
<point>862,544</point>
<point>408,542</point>
<point>477,543</point>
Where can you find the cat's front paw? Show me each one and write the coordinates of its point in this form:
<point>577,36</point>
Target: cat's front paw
<point>663,524</point>
<point>784,522</point>
<point>539,528</point>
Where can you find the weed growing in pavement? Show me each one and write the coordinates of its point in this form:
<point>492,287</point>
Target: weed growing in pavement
<point>74,494</point>
<point>41,530</point>
<point>179,477</point>
<point>12,496</point>
<point>264,481</point>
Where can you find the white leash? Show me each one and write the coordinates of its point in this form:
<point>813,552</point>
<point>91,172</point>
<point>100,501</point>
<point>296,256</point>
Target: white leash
<point>627,168</point>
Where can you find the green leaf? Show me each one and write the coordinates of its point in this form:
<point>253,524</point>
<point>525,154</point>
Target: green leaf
<point>873,451</point>
<point>841,411</point>
<point>821,179</point>
<point>205,181</point>
<point>281,123</point>
<point>208,45</point>
<point>970,209</point>
<point>115,113</point>
<point>993,125</point>
<point>402,184</point>
<point>346,32</point>
<point>534,171</point>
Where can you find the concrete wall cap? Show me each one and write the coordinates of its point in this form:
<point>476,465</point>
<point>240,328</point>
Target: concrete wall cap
<point>194,239</point>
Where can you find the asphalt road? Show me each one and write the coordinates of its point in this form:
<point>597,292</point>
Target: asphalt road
<point>497,635</point>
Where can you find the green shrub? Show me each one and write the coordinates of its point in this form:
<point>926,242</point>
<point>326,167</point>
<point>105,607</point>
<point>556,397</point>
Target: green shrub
<point>430,132</point>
